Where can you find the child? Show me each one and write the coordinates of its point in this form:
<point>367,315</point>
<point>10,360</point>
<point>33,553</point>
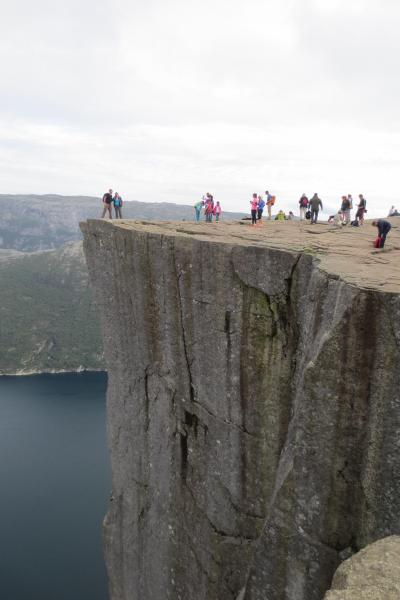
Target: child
<point>217,211</point>
<point>253,208</point>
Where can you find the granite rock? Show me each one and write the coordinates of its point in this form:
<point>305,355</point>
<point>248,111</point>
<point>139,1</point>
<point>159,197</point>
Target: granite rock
<point>253,410</point>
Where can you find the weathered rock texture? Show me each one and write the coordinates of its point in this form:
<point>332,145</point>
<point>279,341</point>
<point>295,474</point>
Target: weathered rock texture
<point>372,574</point>
<point>253,406</point>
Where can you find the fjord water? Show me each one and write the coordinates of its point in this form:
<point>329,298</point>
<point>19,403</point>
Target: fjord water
<point>55,484</point>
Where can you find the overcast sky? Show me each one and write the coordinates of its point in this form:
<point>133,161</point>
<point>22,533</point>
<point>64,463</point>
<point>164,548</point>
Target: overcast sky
<point>164,100</point>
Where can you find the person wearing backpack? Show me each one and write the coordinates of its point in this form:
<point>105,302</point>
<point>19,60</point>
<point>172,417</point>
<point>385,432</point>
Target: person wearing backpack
<point>107,202</point>
<point>303,203</point>
<point>270,203</point>
<point>361,209</point>
<point>117,200</point>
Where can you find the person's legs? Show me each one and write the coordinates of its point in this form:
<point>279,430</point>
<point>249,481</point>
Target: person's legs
<point>197,217</point>
<point>383,240</point>
<point>104,211</point>
<point>253,217</point>
<point>269,212</point>
<point>109,210</point>
<point>302,213</point>
<point>217,217</point>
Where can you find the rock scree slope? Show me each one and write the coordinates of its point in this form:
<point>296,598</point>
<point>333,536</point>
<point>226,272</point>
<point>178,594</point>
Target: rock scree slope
<point>253,404</point>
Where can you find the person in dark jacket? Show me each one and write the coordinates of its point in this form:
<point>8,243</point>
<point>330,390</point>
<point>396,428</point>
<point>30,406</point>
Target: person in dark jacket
<point>361,209</point>
<point>345,210</point>
<point>107,204</point>
<point>314,205</point>
<point>383,229</point>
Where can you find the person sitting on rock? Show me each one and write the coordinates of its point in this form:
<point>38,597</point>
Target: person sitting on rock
<point>383,229</point>
<point>336,219</point>
<point>393,212</point>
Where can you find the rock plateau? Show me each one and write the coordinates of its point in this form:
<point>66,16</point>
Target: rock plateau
<point>253,404</point>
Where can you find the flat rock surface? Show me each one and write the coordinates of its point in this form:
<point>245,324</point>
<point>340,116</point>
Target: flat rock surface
<point>346,252</point>
<point>373,573</point>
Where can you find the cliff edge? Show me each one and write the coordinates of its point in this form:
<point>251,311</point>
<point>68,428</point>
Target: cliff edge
<point>253,404</point>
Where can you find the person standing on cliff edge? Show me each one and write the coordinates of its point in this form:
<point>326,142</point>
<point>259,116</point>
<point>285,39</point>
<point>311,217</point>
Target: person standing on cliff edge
<point>107,204</point>
<point>117,205</point>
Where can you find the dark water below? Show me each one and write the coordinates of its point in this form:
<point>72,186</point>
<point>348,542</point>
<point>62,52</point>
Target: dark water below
<point>54,487</point>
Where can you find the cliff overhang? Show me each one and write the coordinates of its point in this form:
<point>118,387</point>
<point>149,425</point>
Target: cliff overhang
<point>253,404</point>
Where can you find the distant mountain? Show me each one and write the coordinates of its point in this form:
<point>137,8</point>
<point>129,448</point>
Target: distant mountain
<point>34,222</point>
<point>47,319</point>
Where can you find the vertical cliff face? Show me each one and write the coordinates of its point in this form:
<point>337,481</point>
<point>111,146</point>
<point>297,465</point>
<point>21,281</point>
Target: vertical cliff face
<point>253,413</point>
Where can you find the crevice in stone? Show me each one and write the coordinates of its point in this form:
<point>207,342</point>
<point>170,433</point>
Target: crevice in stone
<point>226,422</point>
<point>219,532</point>
<point>184,341</point>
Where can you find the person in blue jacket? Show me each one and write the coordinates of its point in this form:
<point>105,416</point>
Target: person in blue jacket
<point>260,208</point>
<point>383,229</point>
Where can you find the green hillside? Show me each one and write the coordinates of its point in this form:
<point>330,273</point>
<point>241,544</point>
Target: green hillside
<point>47,319</point>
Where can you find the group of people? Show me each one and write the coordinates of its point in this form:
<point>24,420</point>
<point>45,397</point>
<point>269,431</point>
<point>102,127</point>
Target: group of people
<point>110,200</point>
<point>210,208</point>
<point>309,209</point>
<point>343,215</point>
<point>257,205</point>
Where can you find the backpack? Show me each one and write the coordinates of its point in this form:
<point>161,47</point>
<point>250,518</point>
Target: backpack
<point>354,223</point>
<point>308,214</point>
<point>304,202</point>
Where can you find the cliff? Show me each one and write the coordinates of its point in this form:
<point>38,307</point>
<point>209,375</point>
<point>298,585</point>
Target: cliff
<point>253,404</point>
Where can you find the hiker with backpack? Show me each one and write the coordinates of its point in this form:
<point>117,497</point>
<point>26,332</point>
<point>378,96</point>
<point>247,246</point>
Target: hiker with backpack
<point>270,203</point>
<point>117,200</point>
<point>361,210</point>
<point>107,204</point>
<point>383,229</point>
<point>314,205</point>
<point>303,203</point>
